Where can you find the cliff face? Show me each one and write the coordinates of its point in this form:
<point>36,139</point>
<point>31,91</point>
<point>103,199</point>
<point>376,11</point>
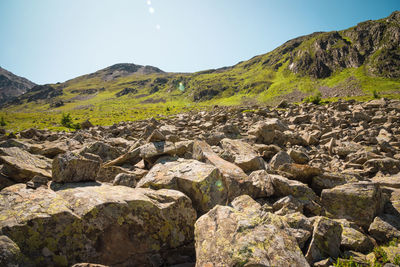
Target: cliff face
<point>12,85</point>
<point>373,43</point>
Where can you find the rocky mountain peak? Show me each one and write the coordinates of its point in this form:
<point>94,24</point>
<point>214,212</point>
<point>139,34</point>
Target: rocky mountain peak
<point>12,85</point>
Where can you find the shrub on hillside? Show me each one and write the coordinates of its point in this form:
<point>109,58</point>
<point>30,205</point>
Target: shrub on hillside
<point>66,121</point>
<point>315,99</point>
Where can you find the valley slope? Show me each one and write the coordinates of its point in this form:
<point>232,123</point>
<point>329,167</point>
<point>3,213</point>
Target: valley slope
<point>351,63</point>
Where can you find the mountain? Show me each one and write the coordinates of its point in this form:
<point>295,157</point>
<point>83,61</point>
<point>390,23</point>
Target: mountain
<point>12,85</point>
<point>358,62</point>
<point>121,70</point>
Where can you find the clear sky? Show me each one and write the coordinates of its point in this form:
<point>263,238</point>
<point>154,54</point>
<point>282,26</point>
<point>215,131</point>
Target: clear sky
<point>50,41</point>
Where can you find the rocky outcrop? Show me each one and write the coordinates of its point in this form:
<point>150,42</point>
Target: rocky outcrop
<point>12,85</point>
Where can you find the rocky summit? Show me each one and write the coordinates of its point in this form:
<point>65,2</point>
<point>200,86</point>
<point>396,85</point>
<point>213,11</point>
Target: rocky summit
<point>299,185</point>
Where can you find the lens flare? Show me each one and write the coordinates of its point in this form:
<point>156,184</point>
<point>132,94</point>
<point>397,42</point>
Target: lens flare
<point>149,2</point>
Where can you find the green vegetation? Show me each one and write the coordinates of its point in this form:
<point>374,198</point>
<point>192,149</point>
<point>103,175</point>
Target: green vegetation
<point>66,121</point>
<point>2,122</point>
<point>315,99</point>
<point>380,255</point>
<point>375,94</point>
<point>346,263</point>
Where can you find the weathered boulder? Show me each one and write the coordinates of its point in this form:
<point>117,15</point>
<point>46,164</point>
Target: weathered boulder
<point>279,159</point>
<point>243,155</point>
<point>287,205</point>
<point>325,240</point>
<point>328,180</point>
<point>353,238</point>
<point>388,181</point>
<point>152,151</point>
<point>95,223</point>
<point>226,236</point>
<point>237,182</point>
<point>358,202</point>
<point>72,167</point>
<point>285,187</point>
<point>299,172</point>
<point>262,185</point>
<point>201,182</point>
<point>298,156</point>
<point>105,151</point>
<point>107,173</point>
<point>20,166</point>
<point>385,165</point>
<point>385,228</point>
<point>269,131</point>
<point>156,136</point>
<point>126,179</point>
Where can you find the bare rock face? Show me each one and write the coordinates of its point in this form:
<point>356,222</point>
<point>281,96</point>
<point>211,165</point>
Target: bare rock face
<point>203,183</point>
<point>95,223</point>
<point>227,236</point>
<point>72,167</point>
<point>357,202</point>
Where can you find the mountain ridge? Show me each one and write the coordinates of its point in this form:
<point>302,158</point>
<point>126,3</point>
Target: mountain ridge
<point>357,62</point>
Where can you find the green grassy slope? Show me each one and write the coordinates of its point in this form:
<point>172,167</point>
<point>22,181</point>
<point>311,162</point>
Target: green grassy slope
<point>352,63</point>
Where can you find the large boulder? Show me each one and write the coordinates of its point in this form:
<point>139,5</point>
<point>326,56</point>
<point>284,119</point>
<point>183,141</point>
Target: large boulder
<point>353,238</point>
<point>72,167</point>
<point>285,187</point>
<point>385,165</point>
<point>201,182</point>
<point>269,131</point>
<point>299,172</point>
<point>280,159</point>
<point>105,151</point>
<point>20,165</point>
<point>325,240</point>
<point>385,228</point>
<point>358,202</point>
<point>237,182</point>
<point>96,223</point>
<point>151,152</point>
<point>242,154</point>
<point>241,236</point>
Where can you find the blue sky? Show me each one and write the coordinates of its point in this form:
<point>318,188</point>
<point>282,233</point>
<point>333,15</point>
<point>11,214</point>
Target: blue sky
<point>50,41</point>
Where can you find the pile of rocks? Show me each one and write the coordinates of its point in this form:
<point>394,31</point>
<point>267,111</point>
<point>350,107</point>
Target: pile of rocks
<point>297,185</point>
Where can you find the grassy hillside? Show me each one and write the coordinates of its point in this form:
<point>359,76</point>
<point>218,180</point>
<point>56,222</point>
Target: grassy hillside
<point>354,63</point>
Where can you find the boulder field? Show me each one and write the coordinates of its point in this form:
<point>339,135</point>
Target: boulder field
<point>295,185</point>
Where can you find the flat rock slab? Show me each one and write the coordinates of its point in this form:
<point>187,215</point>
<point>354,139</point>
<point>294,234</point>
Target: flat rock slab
<point>95,222</point>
